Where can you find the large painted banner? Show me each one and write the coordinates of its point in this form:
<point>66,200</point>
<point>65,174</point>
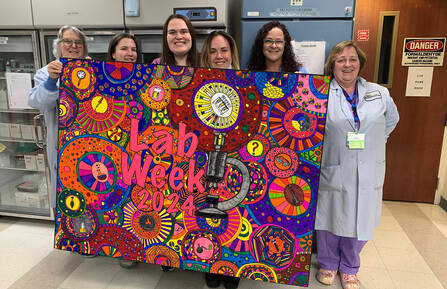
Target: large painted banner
<point>201,169</point>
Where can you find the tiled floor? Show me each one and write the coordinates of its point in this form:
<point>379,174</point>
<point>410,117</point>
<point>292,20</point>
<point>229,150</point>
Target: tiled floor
<point>409,251</point>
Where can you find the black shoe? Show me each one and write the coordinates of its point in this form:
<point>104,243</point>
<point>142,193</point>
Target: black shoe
<point>230,282</point>
<point>212,280</point>
<point>167,268</point>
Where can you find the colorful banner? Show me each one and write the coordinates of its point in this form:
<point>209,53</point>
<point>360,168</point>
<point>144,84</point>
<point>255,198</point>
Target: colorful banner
<point>202,169</point>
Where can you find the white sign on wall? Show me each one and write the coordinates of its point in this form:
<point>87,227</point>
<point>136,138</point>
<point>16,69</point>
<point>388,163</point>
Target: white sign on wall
<point>419,81</point>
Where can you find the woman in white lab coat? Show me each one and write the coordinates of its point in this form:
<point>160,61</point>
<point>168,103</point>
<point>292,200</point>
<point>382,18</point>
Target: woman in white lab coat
<point>360,117</point>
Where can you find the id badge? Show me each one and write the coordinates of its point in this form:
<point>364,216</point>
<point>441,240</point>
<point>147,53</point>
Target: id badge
<point>356,141</point>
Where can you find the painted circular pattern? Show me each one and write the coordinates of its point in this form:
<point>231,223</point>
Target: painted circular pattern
<point>255,149</point>
<point>68,108</point>
<point>79,76</point>
<point>97,172</point>
<point>163,256</point>
<point>156,95</point>
<point>299,124</point>
<point>118,72</point>
<point>111,217</point>
<point>299,279</point>
<point>258,272</point>
<point>319,85</point>
<point>101,113</point>
<point>109,251</point>
<point>281,162</point>
<point>293,127</point>
<point>175,76</point>
<point>69,156</point>
<point>240,78</point>
<point>258,184</point>
<point>273,245</point>
<point>223,267</point>
<point>81,228</point>
<point>135,109</point>
<point>72,203</point>
<point>124,84</point>
<point>217,105</point>
<point>226,229</point>
<point>291,196</point>
<point>109,235</point>
<point>248,225</point>
<point>150,227</point>
<point>306,243</point>
<point>202,246</point>
<point>275,85</point>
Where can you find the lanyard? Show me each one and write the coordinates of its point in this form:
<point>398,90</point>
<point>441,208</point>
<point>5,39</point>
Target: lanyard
<point>353,101</point>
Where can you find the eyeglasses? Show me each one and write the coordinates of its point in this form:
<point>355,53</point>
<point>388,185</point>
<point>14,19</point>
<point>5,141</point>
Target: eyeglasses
<point>69,42</point>
<point>270,42</point>
<point>175,32</point>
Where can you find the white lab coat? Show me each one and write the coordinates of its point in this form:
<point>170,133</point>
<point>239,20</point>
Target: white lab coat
<point>46,101</point>
<point>349,200</point>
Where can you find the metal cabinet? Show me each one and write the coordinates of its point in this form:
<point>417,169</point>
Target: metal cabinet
<point>23,171</point>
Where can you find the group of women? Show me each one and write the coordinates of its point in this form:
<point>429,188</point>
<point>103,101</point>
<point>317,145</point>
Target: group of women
<point>360,117</point>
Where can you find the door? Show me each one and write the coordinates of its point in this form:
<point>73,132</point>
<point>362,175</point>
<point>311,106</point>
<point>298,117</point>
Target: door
<point>414,148</point>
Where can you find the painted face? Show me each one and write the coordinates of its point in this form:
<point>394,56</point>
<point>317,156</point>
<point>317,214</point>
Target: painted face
<point>273,45</point>
<point>71,45</point>
<point>220,52</point>
<point>347,66</point>
<point>179,38</point>
<point>100,172</point>
<point>125,50</point>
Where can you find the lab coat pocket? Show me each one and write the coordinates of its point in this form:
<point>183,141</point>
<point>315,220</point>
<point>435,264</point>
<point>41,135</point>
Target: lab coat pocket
<point>330,178</point>
<point>379,174</point>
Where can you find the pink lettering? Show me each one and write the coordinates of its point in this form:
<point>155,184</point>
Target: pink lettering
<point>135,168</point>
<point>182,137</point>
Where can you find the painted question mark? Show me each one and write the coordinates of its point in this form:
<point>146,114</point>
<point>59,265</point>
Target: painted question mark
<point>255,146</point>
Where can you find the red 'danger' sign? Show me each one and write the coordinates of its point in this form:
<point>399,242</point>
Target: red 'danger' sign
<point>423,51</point>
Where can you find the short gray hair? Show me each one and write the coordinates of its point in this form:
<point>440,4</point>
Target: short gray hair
<point>56,47</point>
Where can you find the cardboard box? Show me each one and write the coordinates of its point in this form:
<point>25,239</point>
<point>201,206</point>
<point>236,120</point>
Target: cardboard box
<point>30,162</point>
<point>4,129</point>
<point>27,131</point>
<point>15,130</point>
<point>24,199</point>
<point>40,162</point>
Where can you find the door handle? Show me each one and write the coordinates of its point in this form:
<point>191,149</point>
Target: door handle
<point>39,130</point>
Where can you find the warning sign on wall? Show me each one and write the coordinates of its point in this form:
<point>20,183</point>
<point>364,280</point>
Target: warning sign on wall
<point>423,51</point>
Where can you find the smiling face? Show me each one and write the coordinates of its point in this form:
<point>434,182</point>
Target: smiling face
<point>273,47</point>
<point>125,50</point>
<point>178,37</point>
<point>71,45</point>
<point>220,52</point>
<point>347,67</point>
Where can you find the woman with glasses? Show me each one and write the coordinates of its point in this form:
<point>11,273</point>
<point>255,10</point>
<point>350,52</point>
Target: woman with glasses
<point>179,43</point>
<point>219,51</point>
<point>272,50</point>
<point>360,117</point>
<point>70,43</point>
<point>123,47</point>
